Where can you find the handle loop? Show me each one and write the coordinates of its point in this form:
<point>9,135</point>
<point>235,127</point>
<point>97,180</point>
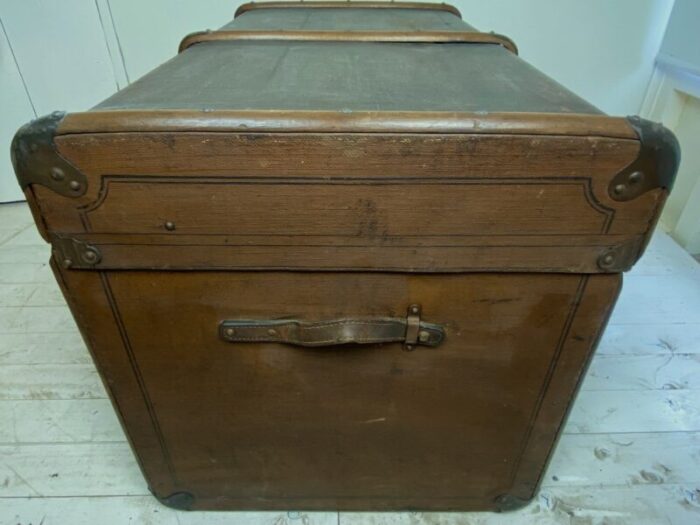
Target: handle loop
<point>362,330</point>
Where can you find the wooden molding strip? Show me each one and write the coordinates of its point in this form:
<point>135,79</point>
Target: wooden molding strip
<point>347,5</point>
<point>292,121</point>
<point>464,37</point>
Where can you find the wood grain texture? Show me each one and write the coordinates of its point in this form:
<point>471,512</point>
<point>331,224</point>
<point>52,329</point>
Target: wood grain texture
<point>435,37</point>
<point>438,122</point>
<point>625,456</point>
<point>315,180</point>
<point>343,201</point>
<point>362,419</point>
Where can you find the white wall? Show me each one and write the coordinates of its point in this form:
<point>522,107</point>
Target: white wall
<point>674,99</point>
<point>70,54</point>
<point>603,50</point>
<point>681,44</point>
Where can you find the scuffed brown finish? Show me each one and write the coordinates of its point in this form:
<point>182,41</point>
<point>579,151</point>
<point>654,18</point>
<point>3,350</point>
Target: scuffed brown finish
<point>254,200</point>
<point>251,261</point>
<point>348,5</point>
<point>388,122</point>
<point>330,333</point>
<point>358,427</point>
<point>435,37</point>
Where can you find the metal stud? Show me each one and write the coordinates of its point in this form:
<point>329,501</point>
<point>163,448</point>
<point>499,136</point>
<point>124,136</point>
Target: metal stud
<point>424,336</point>
<point>619,189</point>
<point>607,260</point>
<point>230,332</point>
<point>271,332</point>
<point>636,177</point>
<point>74,185</point>
<point>169,225</point>
<point>90,256</point>
<point>57,174</point>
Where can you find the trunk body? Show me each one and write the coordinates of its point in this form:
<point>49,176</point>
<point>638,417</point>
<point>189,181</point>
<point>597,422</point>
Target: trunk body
<point>343,256</point>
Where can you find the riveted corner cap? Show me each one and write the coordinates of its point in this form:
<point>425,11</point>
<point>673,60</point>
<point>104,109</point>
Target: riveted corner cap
<point>655,167</point>
<point>37,161</point>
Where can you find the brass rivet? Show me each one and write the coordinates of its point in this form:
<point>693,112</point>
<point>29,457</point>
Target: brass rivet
<point>636,177</point>
<point>619,189</point>
<point>57,174</point>
<point>74,185</point>
<point>67,263</point>
<point>170,226</point>
<point>608,258</point>
<point>424,336</point>
<point>271,332</point>
<point>414,309</point>
<point>89,256</point>
<point>229,332</point>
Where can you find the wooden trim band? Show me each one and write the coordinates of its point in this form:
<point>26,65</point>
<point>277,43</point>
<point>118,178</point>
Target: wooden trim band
<point>292,121</point>
<point>244,8</point>
<point>443,37</point>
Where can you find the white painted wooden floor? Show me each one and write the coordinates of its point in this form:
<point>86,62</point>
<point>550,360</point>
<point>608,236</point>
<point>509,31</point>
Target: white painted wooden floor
<point>630,453</point>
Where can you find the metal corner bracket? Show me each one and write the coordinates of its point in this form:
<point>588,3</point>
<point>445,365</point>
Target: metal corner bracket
<point>177,500</point>
<point>507,502</point>
<point>37,161</point>
<point>75,254</point>
<point>621,257</point>
<point>655,166</point>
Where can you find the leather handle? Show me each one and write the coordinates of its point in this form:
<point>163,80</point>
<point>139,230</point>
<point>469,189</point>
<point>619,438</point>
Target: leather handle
<point>409,330</point>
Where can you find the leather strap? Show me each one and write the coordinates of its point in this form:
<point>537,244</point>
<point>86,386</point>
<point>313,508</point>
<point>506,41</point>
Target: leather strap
<point>409,330</point>
<point>440,37</point>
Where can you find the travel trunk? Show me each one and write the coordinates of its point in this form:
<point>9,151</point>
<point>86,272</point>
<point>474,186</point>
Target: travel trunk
<point>343,256</point>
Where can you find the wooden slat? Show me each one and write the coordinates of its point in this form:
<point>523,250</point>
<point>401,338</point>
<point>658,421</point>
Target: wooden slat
<point>86,469</point>
<point>443,37</point>
<point>670,371</point>
<point>664,256</point>
<point>164,120</point>
<point>70,381</point>
<point>635,411</point>
<point>621,459</point>
<point>24,254</point>
<point>361,4</point>
<point>40,349</point>
<point>141,510</point>
<point>633,505</point>
<point>36,319</point>
<point>650,339</point>
<point>658,299</point>
<point>13,273</point>
<point>74,421</point>
<point>29,294</point>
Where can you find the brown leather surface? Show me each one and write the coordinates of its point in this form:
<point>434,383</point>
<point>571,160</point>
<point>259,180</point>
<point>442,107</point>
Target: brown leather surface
<point>424,122</point>
<point>330,333</point>
<point>269,426</point>
<point>254,200</point>
<point>318,189</point>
